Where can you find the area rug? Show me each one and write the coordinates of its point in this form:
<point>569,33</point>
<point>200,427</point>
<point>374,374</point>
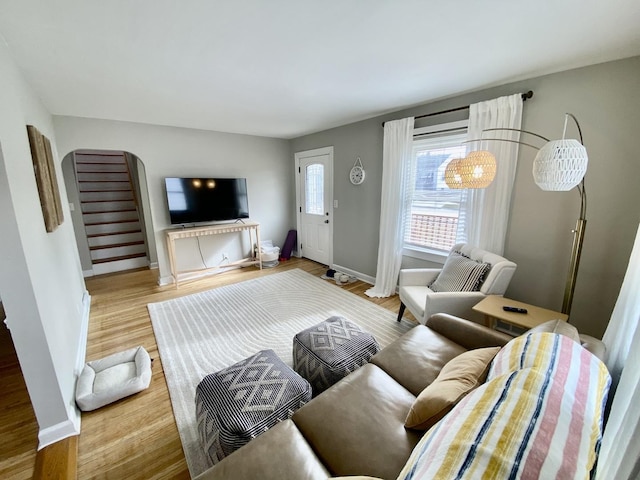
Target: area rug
<point>205,332</point>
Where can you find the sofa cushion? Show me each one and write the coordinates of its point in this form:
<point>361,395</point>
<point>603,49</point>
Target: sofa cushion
<point>356,427</point>
<point>558,326</point>
<point>415,359</point>
<point>460,274</point>
<point>292,459</point>
<point>544,419</point>
<point>466,333</point>
<point>458,377</point>
<point>594,345</point>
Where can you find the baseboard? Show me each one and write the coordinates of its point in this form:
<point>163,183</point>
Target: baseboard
<point>153,265</point>
<point>60,431</point>
<point>168,280</point>
<point>360,276</point>
<point>88,273</point>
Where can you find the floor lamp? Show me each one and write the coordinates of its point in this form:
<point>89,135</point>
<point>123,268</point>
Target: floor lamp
<point>560,165</point>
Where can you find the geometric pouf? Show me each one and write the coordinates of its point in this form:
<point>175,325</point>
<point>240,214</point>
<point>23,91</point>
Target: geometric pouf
<point>330,350</point>
<point>112,378</point>
<point>244,400</point>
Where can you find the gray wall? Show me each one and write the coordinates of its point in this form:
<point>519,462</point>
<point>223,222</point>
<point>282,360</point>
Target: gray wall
<point>145,208</point>
<point>73,197</point>
<point>179,152</point>
<point>604,99</point>
<point>40,279</point>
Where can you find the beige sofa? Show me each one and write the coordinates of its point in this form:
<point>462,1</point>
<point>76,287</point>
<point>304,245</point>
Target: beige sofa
<point>357,427</point>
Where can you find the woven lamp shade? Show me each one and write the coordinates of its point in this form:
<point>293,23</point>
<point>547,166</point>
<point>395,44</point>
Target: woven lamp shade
<point>560,165</point>
<point>451,176</point>
<point>478,169</point>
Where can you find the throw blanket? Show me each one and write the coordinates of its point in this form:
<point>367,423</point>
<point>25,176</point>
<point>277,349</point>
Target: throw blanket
<point>539,415</point>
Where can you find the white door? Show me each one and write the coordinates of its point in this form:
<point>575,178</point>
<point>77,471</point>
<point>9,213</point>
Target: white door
<point>315,200</point>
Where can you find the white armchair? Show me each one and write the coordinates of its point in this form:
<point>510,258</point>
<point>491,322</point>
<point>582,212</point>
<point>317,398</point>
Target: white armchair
<point>423,302</point>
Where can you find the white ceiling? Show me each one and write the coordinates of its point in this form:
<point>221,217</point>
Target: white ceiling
<point>284,68</point>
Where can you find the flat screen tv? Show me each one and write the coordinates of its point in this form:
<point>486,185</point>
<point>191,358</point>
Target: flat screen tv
<point>199,200</point>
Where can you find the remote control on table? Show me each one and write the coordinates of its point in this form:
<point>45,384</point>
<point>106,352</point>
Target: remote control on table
<point>514,309</point>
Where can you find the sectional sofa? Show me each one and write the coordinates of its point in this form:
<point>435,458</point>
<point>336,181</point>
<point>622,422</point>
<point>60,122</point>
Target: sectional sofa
<point>451,399</point>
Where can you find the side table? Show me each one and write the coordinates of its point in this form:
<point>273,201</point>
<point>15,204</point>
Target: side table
<point>491,308</point>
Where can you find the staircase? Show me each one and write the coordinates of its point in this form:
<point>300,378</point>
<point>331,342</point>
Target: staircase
<point>110,212</point>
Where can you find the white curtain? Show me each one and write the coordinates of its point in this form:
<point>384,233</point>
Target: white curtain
<point>487,209</point>
<point>396,203</point>
<point>620,449</point>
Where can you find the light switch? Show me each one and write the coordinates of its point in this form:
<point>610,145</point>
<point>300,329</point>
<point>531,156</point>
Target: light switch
<point>72,207</point>
<point>335,204</point>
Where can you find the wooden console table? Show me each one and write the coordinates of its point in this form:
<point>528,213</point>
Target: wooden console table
<point>175,234</point>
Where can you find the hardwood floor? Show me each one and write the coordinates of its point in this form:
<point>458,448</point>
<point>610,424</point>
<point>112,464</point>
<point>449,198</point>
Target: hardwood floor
<point>18,425</point>
<point>137,437</point>
<point>58,461</point>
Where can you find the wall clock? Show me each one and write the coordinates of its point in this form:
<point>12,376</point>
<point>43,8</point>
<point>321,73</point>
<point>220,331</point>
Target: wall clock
<point>357,173</point>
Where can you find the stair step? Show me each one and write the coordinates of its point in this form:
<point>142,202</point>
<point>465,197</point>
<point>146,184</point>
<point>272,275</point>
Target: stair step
<point>114,239</point>
<point>101,167</point>
<point>110,211</point>
<point>118,251</point>
<point>108,206</point>
<point>109,196</point>
<point>84,177</point>
<point>86,202</point>
<point>106,186</point>
<point>83,159</point>
<point>114,217</point>
<point>115,227</point>
<point>121,257</point>
<point>124,232</point>
<point>117,245</point>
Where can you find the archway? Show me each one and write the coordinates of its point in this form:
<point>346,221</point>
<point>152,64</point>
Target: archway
<point>109,203</point>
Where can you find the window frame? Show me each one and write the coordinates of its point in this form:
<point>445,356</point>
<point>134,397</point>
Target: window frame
<point>425,253</point>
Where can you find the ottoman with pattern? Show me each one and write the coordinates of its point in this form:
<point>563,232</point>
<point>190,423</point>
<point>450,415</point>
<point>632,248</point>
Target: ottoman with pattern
<point>330,350</point>
<point>244,400</point>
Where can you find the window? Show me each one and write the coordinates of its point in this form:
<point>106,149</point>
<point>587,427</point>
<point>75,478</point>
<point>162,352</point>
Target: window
<point>437,215</point>
<point>314,201</point>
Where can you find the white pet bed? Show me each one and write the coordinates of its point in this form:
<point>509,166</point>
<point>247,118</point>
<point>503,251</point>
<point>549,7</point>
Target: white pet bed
<point>114,377</point>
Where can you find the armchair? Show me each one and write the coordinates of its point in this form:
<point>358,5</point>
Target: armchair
<point>424,302</point>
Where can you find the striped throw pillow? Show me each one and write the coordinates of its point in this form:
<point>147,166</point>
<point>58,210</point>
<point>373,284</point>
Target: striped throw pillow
<point>460,274</point>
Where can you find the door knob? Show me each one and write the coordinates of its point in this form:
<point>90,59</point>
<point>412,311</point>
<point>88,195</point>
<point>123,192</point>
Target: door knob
<point>326,221</point>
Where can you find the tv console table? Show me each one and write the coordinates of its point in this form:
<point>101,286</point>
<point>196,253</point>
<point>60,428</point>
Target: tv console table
<point>175,234</point>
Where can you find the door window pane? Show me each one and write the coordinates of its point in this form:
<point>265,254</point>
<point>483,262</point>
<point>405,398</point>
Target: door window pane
<point>314,195</point>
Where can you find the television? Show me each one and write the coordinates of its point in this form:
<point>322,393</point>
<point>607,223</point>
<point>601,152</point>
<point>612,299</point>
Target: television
<point>199,200</point>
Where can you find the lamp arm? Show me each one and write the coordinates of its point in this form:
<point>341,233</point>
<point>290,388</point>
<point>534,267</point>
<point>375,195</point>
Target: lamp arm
<point>519,142</point>
<point>577,125</point>
<point>501,140</point>
<point>583,199</point>
<point>517,130</point>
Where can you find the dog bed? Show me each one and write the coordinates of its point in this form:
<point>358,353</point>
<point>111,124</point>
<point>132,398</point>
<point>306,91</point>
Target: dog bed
<point>114,377</point>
